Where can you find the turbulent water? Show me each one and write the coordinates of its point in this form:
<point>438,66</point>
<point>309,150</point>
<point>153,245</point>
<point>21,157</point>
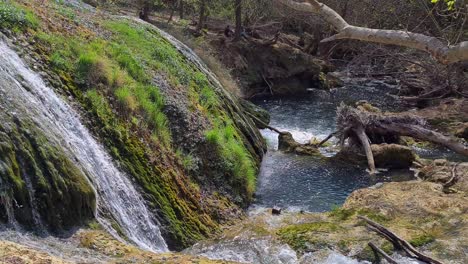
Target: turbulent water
<point>27,96</point>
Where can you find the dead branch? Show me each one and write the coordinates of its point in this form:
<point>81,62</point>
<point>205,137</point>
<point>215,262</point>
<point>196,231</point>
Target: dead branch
<point>389,124</point>
<point>395,239</point>
<point>441,52</point>
<point>452,179</point>
<point>266,125</point>
<point>326,139</point>
<point>361,134</point>
<point>378,251</point>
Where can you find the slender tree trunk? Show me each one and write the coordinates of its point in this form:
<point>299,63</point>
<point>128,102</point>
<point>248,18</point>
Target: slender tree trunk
<point>238,33</point>
<point>145,10</point>
<point>173,9</point>
<point>201,19</point>
<point>181,9</point>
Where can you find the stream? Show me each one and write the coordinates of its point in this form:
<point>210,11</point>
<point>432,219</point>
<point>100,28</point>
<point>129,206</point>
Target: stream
<point>315,184</point>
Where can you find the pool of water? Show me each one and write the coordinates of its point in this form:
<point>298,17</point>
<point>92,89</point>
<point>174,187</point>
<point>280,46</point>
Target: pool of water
<point>312,183</point>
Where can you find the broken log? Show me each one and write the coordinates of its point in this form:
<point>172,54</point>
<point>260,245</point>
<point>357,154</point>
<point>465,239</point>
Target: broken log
<point>356,124</point>
<point>395,239</point>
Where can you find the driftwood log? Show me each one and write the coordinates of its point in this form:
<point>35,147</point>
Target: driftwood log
<point>398,242</point>
<point>355,124</point>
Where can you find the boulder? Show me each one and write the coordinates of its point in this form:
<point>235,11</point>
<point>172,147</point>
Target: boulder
<point>287,143</point>
<point>462,132</point>
<point>285,70</point>
<point>391,156</point>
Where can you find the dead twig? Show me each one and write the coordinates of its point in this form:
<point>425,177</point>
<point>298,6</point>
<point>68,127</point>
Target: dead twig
<point>395,239</point>
<point>452,179</point>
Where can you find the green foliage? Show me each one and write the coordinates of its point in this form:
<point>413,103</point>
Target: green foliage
<point>58,61</point>
<point>341,213</point>
<point>14,17</point>
<point>450,3</point>
<point>422,240</point>
<point>237,159</point>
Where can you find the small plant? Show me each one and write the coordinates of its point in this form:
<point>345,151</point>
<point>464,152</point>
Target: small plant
<point>93,70</point>
<point>14,17</point>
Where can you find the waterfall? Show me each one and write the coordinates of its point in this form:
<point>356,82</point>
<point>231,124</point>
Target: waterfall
<point>26,93</point>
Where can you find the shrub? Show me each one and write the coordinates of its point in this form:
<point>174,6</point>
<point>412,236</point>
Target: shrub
<point>13,16</point>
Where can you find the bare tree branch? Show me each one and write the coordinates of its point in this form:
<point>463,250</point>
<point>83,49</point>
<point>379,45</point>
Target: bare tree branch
<point>440,51</point>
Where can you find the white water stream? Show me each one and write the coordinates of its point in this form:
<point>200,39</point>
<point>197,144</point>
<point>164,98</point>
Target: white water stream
<point>28,96</point>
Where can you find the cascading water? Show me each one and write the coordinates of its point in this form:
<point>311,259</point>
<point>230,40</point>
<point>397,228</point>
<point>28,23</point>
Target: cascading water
<point>27,94</point>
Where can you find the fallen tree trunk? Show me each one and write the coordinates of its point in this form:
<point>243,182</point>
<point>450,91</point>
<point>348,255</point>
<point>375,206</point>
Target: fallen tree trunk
<point>441,52</point>
<point>356,124</point>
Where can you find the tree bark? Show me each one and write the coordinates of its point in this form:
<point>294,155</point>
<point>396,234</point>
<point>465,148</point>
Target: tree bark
<point>440,51</point>
<point>201,19</point>
<point>238,33</point>
<point>361,134</point>
<point>424,134</point>
<point>181,9</point>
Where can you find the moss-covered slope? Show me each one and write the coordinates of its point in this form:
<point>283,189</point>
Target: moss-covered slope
<point>192,151</point>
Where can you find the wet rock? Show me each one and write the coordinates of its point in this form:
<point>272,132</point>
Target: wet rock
<point>331,80</point>
<point>287,143</point>
<point>276,211</point>
<point>391,156</point>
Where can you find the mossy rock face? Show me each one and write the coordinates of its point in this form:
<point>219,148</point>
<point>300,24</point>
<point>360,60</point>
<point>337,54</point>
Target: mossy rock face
<point>151,106</point>
<point>40,186</point>
<point>261,117</point>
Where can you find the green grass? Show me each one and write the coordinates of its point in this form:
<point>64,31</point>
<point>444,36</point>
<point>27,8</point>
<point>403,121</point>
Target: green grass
<point>15,17</point>
<point>113,79</point>
<point>237,160</point>
<point>422,240</point>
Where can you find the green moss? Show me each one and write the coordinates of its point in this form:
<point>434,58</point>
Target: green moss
<point>301,235</point>
<point>112,79</point>
<point>422,240</point>
<point>30,166</point>
<point>341,213</point>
